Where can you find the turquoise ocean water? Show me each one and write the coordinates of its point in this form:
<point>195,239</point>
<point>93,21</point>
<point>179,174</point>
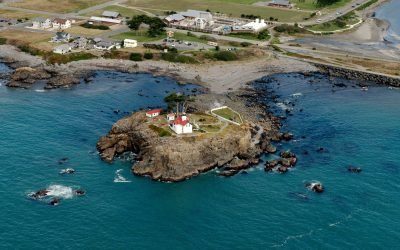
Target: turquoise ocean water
<point>255,211</point>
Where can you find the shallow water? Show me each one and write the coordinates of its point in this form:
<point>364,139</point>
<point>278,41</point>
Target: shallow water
<point>254,211</point>
<point>390,12</point>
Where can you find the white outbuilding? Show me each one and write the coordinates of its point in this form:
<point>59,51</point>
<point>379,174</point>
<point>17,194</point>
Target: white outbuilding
<point>130,43</point>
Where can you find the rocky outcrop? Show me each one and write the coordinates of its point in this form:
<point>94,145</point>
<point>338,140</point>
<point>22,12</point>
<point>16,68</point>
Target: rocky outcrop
<point>176,158</point>
<point>53,76</point>
<point>24,77</point>
<point>64,81</point>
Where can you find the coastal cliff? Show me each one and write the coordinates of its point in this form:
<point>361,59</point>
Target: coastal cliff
<point>176,158</point>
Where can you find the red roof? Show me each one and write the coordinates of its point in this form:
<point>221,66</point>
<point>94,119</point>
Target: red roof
<point>179,121</point>
<point>153,111</point>
<point>60,20</point>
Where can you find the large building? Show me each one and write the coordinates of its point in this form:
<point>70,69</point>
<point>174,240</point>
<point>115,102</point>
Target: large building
<point>280,3</point>
<point>255,26</point>
<point>192,18</point>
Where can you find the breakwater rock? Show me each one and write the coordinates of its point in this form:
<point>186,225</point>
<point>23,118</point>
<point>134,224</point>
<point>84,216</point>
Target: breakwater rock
<point>176,158</point>
<point>359,75</point>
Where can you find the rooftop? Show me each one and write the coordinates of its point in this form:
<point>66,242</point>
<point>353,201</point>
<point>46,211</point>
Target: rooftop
<point>111,14</point>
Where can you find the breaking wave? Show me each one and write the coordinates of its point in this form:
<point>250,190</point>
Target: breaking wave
<point>119,178</point>
<point>60,191</point>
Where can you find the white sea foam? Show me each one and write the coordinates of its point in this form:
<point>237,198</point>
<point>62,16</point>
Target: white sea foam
<point>119,178</point>
<point>297,94</point>
<point>60,191</point>
<point>283,106</point>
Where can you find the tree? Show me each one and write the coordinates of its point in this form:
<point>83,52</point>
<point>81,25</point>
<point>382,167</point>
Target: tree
<point>326,2</point>
<point>156,25</point>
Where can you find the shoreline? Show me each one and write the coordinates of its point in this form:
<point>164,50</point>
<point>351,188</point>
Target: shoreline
<point>218,77</point>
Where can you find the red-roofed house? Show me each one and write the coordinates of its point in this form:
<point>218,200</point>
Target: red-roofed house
<point>181,125</point>
<point>61,23</point>
<point>153,113</point>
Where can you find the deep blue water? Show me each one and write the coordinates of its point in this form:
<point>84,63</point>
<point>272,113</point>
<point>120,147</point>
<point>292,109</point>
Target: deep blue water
<point>254,211</point>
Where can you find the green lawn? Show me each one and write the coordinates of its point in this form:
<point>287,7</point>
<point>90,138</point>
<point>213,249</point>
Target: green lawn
<point>310,4</point>
<point>140,36</point>
<point>349,19</point>
<point>229,7</point>
<point>185,37</point>
<point>125,12</point>
<point>229,114</point>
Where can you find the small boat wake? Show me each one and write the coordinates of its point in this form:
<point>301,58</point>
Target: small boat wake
<point>119,178</point>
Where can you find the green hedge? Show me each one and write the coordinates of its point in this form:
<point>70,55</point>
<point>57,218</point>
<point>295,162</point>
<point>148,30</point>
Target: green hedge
<point>225,56</point>
<point>136,57</point>
<point>174,57</point>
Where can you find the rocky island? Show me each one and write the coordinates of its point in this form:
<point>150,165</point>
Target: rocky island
<point>166,156</point>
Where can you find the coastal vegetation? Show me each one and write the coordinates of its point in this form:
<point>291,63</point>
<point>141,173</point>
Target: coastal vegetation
<point>228,114</point>
<point>366,5</point>
<point>93,26</point>
<point>337,24</point>
<point>289,29</point>
<point>136,57</point>
<point>162,132</point>
<point>178,58</point>
<point>260,36</point>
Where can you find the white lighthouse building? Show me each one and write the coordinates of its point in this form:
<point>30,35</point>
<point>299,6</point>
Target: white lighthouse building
<point>181,125</point>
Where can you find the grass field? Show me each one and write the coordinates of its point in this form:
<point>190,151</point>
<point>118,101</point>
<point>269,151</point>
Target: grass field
<point>57,6</point>
<point>229,7</point>
<point>84,31</point>
<point>16,14</point>
<point>125,12</point>
<point>26,36</point>
<point>228,114</point>
<point>310,4</point>
<point>139,35</point>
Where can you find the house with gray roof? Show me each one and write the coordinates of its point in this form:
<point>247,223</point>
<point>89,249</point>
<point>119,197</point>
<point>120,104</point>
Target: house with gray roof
<point>41,23</point>
<point>61,37</point>
<point>110,14</point>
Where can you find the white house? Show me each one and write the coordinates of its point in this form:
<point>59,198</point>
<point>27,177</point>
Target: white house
<point>62,49</point>
<point>153,113</point>
<point>41,23</point>
<point>61,23</point>
<point>129,43</point>
<point>104,45</point>
<point>181,125</point>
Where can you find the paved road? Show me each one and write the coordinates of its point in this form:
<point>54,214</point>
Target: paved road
<point>333,14</point>
<point>98,7</point>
